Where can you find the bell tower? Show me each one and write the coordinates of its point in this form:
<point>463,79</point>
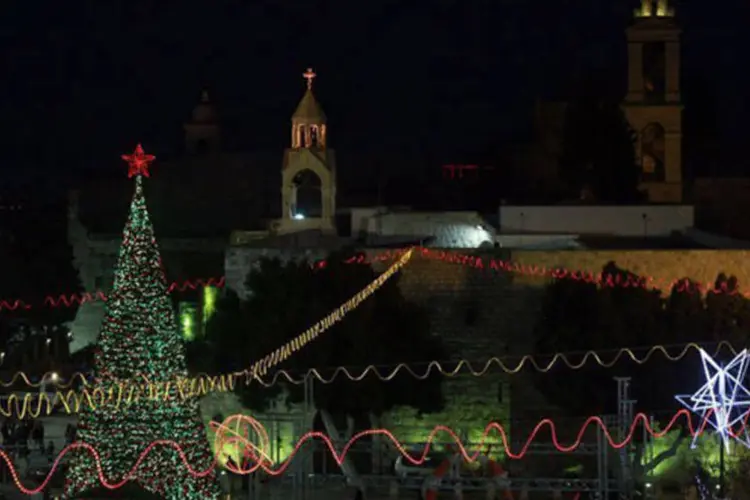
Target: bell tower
<point>653,105</point>
<point>308,175</point>
<point>202,132</point>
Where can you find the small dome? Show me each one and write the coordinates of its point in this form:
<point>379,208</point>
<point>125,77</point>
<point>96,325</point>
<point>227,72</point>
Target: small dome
<point>308,110</point>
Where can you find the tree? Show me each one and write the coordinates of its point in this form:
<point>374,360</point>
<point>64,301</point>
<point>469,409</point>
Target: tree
<point>599,153</point>
<point>140,337</point>
<point>39,261</point>
<point>48,261</point>
<point>285,298</point>
<point>579,317</point>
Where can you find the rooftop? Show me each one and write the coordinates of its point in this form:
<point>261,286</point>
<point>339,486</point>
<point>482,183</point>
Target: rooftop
<point>676,242</point>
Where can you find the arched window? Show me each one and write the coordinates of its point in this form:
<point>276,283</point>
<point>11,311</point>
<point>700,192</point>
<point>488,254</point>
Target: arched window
<point>653,153</point>
<point>308,195</point>
<point>201,147</point>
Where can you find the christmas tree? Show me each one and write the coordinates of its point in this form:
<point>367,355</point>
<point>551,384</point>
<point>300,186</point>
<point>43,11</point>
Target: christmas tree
<point>140,338</point>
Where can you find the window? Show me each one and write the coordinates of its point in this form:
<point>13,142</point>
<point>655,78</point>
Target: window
<point>654,71</point>
<point>653,152</point>
<point>202,147</point>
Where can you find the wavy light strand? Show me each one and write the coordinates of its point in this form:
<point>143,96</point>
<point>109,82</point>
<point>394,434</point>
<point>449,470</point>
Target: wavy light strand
<point>463,366</point>
<point>126,392</point>
<point>476,261</point>
<point>226,436</point>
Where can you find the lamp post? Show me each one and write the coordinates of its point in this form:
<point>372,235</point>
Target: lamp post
<point>721,468</point>
<point>52,378</point>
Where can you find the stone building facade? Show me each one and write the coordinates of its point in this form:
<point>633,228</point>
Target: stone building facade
<point>483,313</point>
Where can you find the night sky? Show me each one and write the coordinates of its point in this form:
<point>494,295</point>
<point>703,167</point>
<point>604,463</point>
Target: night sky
<point>83,81</point>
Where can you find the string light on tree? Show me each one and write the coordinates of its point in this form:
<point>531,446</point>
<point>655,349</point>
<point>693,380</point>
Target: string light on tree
<point>723,401</point>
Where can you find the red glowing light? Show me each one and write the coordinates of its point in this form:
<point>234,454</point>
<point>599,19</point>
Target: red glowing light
<point>457,171</point>
<point>138,162</point>
<point>71,300</point>
<point>225,435</point>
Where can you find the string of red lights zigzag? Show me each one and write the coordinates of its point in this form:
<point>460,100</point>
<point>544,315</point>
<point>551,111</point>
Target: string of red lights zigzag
<point>460,367</point>
<point>76,299</point>
<point>255,453</point>
<point>70,300</point>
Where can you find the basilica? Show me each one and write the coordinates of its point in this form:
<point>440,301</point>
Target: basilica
<point>217,211</point>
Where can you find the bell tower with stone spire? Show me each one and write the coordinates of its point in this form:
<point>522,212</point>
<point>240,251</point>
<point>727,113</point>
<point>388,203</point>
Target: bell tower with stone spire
<point>202,132</point>
<point>308,157</point>
<point>653,105</point>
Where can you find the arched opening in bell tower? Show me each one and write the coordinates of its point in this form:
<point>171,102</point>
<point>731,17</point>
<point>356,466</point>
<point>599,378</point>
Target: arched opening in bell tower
<point>653,152</point>
<point>307,195</point>
<point>201,147</point>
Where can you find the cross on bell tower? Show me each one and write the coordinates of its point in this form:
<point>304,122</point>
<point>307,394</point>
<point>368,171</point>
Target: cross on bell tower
<point>309,75</point>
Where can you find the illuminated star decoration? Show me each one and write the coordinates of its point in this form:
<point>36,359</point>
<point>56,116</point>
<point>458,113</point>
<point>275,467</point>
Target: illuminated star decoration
<point>724,401</point>
<point>138,162</point>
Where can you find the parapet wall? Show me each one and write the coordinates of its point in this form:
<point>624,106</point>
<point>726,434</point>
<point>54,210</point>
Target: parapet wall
<point>663,266</point>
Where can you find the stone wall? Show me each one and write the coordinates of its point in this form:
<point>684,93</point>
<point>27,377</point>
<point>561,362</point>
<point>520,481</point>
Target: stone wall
<point>468,309</point>
<point>483,313</point>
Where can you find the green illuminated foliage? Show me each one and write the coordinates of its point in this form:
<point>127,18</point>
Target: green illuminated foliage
<point>578,316</point>
<point>187,320</point>
<point>140,336</point>
<point>210,294</point>
<point>681,460</point>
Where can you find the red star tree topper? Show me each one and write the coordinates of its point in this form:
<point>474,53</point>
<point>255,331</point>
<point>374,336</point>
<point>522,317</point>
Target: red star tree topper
<point>138,162</point>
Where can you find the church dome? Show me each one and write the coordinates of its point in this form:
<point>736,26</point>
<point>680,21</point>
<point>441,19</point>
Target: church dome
<point>204,112</point>
<point>308,110</point>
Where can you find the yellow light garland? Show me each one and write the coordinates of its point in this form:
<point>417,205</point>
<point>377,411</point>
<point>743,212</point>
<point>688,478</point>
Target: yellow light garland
<point>123,393</point>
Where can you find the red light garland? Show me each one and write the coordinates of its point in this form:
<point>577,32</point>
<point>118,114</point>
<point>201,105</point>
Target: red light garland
<point>77,299</point>
<point>499,265</point>
<point>226,436</point>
